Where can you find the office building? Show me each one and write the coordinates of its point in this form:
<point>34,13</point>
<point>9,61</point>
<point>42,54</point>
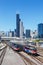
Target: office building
<point>11,33</point>
<point>17,25</point>
<point>15,33</point>
<point>21,29</point>
<point>28,33</point>
<point>40,30</point>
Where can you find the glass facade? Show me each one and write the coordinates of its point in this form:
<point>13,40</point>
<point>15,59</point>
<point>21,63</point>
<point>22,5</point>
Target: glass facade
<point>27,33</point>
<point>17,25</point>
<point>40,30</point>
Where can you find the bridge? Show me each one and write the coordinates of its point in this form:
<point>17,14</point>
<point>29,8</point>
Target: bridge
<point>18,40</point>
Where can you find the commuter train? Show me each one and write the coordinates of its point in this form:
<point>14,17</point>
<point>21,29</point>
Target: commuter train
<point>17,47</point>
<point>27,48</point>
<point>30,49</point>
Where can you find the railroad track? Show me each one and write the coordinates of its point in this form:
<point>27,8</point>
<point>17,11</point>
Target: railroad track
<point>25,59</point>
<point>40,58</point>
<point>2,54</point>
<point>28,59</point>
<point>33,60</point>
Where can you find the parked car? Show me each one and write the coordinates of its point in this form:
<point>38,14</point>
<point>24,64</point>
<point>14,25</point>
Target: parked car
<point>30,49</point>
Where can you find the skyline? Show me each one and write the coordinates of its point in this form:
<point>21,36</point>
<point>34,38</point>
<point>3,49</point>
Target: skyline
<point>31,13</point>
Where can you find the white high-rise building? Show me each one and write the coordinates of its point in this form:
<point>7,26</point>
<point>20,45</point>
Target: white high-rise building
<point>21,29</point>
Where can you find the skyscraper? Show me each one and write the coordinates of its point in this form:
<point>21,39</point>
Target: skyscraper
<point>21,29</point>
<point>28,33</point>
<point>40,30</point>
<point>17,25</point>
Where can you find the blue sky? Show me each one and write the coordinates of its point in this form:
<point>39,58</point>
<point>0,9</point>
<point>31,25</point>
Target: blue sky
<point>31,13</point>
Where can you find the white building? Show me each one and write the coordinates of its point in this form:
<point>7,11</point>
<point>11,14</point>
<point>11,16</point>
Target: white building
<point>34,34</point>
<point>21,29</point>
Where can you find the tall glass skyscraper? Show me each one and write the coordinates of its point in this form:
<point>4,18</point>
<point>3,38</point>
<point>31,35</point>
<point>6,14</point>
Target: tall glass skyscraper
<point>17,25</point>
<point>40,30</point>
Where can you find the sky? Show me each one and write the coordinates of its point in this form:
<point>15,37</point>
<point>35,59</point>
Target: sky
<point>31,13</point>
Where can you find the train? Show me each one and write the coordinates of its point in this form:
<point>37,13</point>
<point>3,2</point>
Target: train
<point>30,49</point>
<point>17,47</point>
<point>26,48</point>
